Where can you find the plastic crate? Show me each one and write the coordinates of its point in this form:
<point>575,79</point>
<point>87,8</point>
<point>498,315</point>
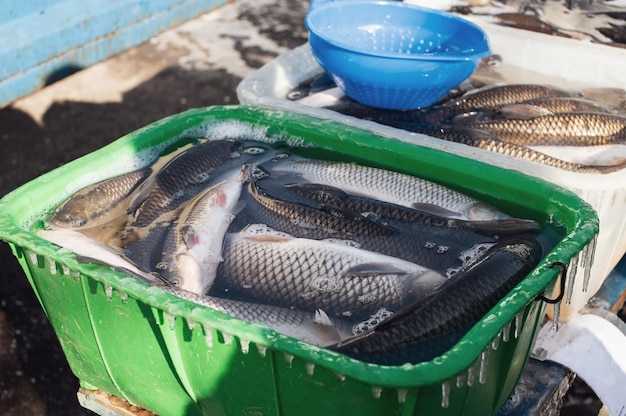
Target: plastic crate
<point>538,58</point>
<point>174,357</point>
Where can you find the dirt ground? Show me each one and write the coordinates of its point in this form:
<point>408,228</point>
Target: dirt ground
<point>197,64</point>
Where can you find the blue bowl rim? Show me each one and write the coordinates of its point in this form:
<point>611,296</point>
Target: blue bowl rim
<point>475,55</point>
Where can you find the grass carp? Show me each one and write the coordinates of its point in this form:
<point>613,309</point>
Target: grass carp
<point>275,268</point>
<point>389,186</point>
<point>429,327</point>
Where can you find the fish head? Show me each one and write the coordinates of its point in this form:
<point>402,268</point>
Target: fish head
<point>186,273</point>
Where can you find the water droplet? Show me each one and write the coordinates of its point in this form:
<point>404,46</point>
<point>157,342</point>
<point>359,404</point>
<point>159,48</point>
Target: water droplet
<point>33,258</point>
<point>442,249</point>
<point>367,298</point>
<point>460,380</point>
<point>262,349</point>
<point>171,320</point>
<point>123,297</point>
<point>52,266</point>
<point>482,373</point>
<point>495,343</point>
<point>76,276</point>
<point>506,331</point>
<point>228,338</point>
<point>65,270</point>
<point>108,292</point>
<point>589,255</point>
<point>288,359</point>
<point>518,324</point>
<point>471,375</point>
<point>341,377</point>
<point>445,394</point>
<point>191,324</point>
<point>571,278</point>
<point>310,368</point>
<point>245,345</point>
<point>402,395</point>
<point>208,335</point>
<point>377,392</point>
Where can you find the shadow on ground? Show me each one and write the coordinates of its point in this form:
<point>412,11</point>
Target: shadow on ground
<point>34,375</point>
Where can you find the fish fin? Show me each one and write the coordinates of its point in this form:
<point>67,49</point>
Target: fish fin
<point>523,111</point>
<point>368,269</point>
<point>322,318</point>
<point>435,210</point>
<point>141,194</point>
<point>190,237</point>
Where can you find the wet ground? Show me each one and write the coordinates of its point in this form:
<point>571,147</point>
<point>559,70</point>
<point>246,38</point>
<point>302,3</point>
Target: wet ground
<point>197,64</point>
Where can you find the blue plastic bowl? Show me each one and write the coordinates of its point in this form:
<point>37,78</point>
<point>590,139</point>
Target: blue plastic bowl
<point>394,55</point>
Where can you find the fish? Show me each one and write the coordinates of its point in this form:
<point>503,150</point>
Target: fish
<point>491,97</point>
<point>93,205</point>
<point>570,129</point>
<point>401,216</point>
<point>192,249</point>
<point>601,156</point>
<point>275,268</point>
<point>440,252</point>
<point>429,327</point>
<point>313,327</point>
<point>526,22</point>
<point>385,185</point>
<point>488,141</point>
<point>88,249</point>
<point>181,178</point>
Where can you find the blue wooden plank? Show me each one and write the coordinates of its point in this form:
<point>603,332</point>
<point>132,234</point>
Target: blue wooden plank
<point>76,34</point>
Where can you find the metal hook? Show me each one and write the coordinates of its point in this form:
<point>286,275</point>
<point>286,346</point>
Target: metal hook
<point>563,275</point>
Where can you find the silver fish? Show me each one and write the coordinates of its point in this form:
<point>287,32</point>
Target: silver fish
<point>91,205</point>
<point>193,248</point>
<point>275,268</point>
<point>429,327</point>
<point>393,187</point>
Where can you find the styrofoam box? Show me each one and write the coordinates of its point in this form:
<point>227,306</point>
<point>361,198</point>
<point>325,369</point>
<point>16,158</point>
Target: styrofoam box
<point>540,58</point>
